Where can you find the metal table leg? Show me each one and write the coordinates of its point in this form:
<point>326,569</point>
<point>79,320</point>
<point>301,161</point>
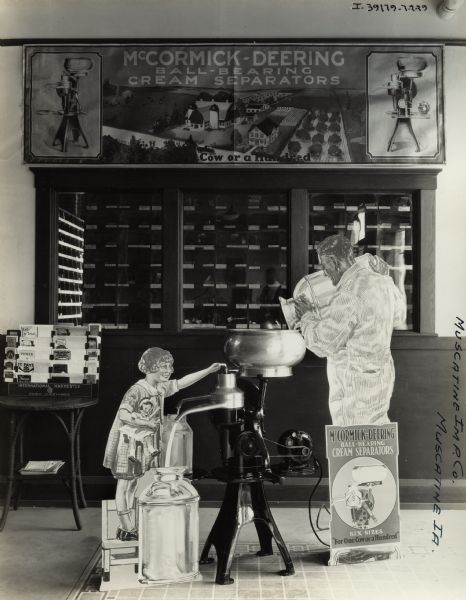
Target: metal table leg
<point>71,434</point>
<point>15,430</point>
<point>74,497</point>
<point>19,482</point>
<point>82,498</point>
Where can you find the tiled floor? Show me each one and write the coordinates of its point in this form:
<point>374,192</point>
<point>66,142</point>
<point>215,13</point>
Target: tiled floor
<point>415,576</point>
<point>60,573</point>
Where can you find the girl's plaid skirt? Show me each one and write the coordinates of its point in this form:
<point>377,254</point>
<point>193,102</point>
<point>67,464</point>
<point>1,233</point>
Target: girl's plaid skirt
<point>116,454</point>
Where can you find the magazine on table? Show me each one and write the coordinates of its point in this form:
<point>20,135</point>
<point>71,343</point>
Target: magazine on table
<point>35,467</point>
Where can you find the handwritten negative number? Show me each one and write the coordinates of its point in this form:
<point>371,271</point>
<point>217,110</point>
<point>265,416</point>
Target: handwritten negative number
<point>390,7</point>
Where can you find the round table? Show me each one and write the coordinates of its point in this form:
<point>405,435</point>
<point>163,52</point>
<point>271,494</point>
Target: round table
<point>69,412</point>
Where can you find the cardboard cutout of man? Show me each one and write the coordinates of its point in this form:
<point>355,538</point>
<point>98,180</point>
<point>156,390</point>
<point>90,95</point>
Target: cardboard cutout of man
<point>354,333</point>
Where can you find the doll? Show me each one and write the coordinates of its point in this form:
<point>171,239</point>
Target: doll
<point>134,441</point>
<point>137,435</point>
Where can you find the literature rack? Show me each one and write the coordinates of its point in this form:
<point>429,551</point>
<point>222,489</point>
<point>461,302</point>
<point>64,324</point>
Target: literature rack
<point>53,360</point>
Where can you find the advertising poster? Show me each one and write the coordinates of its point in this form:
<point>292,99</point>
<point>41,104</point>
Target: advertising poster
<point>234,104</point>
<point>364,493</point>
<point>402,102</point>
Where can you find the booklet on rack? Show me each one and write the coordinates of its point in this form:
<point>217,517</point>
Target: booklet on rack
<point>34,467</point>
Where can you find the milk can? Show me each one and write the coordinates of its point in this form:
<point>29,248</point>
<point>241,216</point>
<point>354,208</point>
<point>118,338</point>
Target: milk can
<point>168,529</point>
<point>181,454</point>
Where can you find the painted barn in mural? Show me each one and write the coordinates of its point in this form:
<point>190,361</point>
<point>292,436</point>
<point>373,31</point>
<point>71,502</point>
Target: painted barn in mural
<point>214,112</point>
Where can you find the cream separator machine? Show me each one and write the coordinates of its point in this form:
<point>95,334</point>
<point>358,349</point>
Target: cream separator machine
<point>255,356</point>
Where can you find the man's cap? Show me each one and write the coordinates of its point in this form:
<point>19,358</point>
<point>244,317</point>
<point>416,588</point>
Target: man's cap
<point>335,245</point>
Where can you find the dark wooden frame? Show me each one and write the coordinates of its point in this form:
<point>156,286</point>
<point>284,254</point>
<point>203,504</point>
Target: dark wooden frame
<point>172,181</point>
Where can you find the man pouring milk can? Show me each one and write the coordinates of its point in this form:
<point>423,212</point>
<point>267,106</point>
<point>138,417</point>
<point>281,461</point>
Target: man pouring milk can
<point>354,332</point>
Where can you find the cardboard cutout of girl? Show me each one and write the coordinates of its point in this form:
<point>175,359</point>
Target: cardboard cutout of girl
<point>134,442</point>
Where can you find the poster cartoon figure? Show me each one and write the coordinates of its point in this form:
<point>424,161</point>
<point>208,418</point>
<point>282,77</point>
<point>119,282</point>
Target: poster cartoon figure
<point>134,442</point>
<point>359,497</point>
<point>361,503</point>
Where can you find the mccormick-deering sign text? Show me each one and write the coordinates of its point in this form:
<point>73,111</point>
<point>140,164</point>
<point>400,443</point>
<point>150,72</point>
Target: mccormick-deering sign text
<point>258,68</point>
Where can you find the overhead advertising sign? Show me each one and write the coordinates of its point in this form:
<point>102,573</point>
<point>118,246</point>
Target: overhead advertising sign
<point>233,104</point>
<point>364,493</point>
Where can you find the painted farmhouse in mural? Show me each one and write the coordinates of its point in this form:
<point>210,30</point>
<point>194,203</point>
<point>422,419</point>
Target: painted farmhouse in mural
<point>263,133</point>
